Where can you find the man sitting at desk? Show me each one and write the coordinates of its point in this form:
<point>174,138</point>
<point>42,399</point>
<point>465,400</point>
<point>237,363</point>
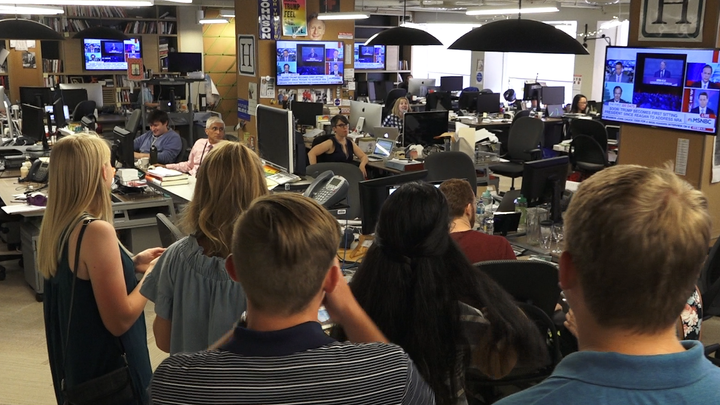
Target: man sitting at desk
<point>477,246</point>
<point>215,130</point>
<point>166,140</point>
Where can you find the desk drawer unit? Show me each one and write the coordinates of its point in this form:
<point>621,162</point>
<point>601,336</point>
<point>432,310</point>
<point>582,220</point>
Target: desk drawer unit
<point>28,237</point>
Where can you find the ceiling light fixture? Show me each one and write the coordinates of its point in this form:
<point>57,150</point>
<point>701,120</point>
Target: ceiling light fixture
<point>37,10</point>
<point>203,20</point>
<point>403,35</point>
<point>227,13</point>
<point>118,3</point>
<point>343,16</point>
<point>512,10</point>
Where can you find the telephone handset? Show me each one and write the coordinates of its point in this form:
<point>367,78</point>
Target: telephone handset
<point>38,172</point>
<point>328,189</point>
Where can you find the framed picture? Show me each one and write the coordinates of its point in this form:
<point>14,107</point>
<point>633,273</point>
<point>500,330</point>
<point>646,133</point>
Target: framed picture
<point>76,79</point>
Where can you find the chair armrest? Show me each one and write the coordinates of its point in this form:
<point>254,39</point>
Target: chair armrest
<point>535,154</point>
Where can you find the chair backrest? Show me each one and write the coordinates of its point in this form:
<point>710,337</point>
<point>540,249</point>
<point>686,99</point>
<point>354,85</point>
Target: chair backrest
<point>184,154</point>
<point>133,123</point>
<point>351,173</point>
<point>586,149</point>
<point>392,95</point>
<point>83,109</point>
<point>320,139</point>
<point>231,138</point>
<point>451,165</point>
<point>530,281</point>
<point>525,134</point>
<point>169,233</point>
<point>709,282</point>
<point>592,128</point>
<point>471,89</point>
<point>520,114</point>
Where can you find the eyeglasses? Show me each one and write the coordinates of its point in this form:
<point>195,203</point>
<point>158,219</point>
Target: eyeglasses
<point>341,126</point>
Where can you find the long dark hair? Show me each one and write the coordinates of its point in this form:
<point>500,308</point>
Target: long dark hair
<point>574,108</point>
<point>412,278</point>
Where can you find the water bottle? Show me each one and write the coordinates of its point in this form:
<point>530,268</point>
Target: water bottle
<point>521,207</point>
<point>488,221</point>
<point>479,213</point>
<point>153,155</point>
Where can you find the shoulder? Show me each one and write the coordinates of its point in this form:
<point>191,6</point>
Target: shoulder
<point>171,134</point>
<point>200,143</point>
<point>100,229</point>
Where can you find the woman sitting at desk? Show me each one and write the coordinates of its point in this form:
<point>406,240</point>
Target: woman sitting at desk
<point>579,104</point>
<point>338,148</point>
<point>425,296</point>
<point>215,130</point>
<point>395,119</point>
<point>196,302</point>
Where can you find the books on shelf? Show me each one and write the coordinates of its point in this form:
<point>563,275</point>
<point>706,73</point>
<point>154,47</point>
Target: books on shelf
<point>52,66</point>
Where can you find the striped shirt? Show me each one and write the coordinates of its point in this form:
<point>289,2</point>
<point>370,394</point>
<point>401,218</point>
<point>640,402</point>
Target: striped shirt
<point>298,365</point>
<point>393,121</point>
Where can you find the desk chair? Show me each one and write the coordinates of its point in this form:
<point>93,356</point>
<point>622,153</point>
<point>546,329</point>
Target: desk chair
<point>451,165</point>
<point>231,138</point>
<point>392,96</point>
<point>169,233</point>
<point>520,114</point>
<point>475,89</point>
<point>184,152</point>
<point>586,155</point>
<point>523,146</point>
<point>352,174</point>
<point>320,139</point>
<point>83,109</point>
<point>592,128</point>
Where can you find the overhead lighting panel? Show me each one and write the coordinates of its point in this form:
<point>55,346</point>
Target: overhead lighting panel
<point>511,10</point>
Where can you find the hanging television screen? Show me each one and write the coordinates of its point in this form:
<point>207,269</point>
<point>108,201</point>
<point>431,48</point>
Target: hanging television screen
<point>369,57</point>
<point>109,54</point>
<point>662,87</point>
<point>309,63</point>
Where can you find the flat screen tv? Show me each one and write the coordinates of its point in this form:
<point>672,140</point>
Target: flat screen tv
<point>109,54</point>
<point>662,87</point>
<point>369,57</point>
<point>309,63</point>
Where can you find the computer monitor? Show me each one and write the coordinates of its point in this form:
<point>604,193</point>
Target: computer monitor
<point>306,113</point>
<point>532,91</point>
<point>371,112</point>
<point>32,104</point>
<point>94,91</point>
<point>166,91</point>
<point>73,97</point>
<point>544,182</point>
<point>488,103</point>
<point>184,62</point>
<point>468,101</point>
<point>59,110</point>
<point>377,91</point>
<point>122,148</point>
<point>419,87</point>
<point>422,127</point>
<point>276,136</point>
<point>552,95</point>
<point>451,83</point>
<point>361,89</point>
<point>438,100</point>
<point>373,194</point>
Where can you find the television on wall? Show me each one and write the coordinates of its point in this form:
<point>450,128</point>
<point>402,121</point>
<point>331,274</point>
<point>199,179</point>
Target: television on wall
<point>369,57</point>
<point>109,54</point>
<point>662,87</point>
<point>309,62</point>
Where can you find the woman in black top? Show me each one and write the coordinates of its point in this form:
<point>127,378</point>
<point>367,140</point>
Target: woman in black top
<point>338,148</point>
<point>579,104</point>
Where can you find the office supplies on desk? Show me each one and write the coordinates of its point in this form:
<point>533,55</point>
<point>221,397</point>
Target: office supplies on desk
<point>404,165</point>
<point>328,189</point>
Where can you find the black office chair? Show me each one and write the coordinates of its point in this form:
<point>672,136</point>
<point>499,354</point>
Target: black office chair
<point>392,96</point>
<point>586,155</point>
<point>83,109</point>
<point>320,139</point>
<point>169,233</point>
<point>471,88</point>
<point>451,165</point>
<point>520,114</point>
<point>231,138</point>
<point>523,146</point>
<point>352,174</point>
<point>184,152</point>
<point>592,128</point>
<point>133,123</point>
<point>709,282</point>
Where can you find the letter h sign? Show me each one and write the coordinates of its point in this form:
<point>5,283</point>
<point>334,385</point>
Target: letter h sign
<point>246,55</point>
<point>672,19</point>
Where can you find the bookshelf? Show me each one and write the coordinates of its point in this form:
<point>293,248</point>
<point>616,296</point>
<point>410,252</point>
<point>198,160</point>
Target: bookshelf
<point>400,55</point>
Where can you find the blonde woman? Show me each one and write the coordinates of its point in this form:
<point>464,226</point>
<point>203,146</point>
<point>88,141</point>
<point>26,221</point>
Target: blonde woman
<point>196,301</point>
<point>395,119</point>
<point>106,301</point>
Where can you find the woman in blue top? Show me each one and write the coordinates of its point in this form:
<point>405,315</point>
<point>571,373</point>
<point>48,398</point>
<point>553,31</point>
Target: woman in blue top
<point>196,301</point>
<point>338,148</point>
<point>107,303</point>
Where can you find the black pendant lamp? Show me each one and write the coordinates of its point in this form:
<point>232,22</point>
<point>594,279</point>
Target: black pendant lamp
<point>20,28</point>
<point>100,32</point>
<point>518,35</point>
<point>403,36</point>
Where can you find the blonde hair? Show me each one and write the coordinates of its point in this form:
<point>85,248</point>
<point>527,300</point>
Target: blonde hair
<point>75,187</point>
<point>637,237</point>
<point>229,179</point>
<point>396,106</point>
<point>283,246</point>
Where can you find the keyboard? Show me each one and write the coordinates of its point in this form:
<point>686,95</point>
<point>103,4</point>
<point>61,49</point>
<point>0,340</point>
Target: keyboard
<point>375,158</point>
<point>518,250</point>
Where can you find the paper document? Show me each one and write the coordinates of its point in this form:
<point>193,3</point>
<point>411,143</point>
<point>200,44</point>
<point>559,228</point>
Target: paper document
<point>20,208</point>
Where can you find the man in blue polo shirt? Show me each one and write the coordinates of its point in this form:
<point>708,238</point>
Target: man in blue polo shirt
<point>167,141</point>
<point>284,252</point>
<point>635,239</point>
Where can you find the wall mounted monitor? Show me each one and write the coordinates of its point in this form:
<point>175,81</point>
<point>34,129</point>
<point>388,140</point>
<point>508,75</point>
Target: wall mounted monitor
<point>309,63</point>
<point>369,57</point>
<point>451,83</point>
<point>184,62</point>
<point>109,54</point>
<point>662,87</point>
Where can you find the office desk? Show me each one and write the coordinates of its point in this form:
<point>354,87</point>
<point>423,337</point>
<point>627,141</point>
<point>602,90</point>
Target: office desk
<point>181,194</point>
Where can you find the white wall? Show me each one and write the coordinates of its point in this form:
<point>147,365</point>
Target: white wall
<point>436,61</point>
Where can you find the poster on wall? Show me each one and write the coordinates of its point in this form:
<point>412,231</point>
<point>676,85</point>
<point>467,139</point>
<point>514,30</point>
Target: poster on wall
<point>269,19</point>
<point>662,23</point>
<point>246,55</point>
<point>252,97</point>
<point>329,6</point>
<point>28,60</point>
<point>242,109</point>
<point>267,87</point>
<point>294,18</point>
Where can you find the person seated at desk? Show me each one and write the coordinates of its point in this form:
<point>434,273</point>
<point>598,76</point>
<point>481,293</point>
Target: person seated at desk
<point>338,148</point>
<point>477,246</point>
<point>284,253</point>
<point>424,295</point>
<point>635,241</point>
<point>215,130</point>
<point>397,115</point>
<point>405,82</point>
<point>196,301</point>
<point>166,140</point>
<point>147,97</point>
<point>579,104</point>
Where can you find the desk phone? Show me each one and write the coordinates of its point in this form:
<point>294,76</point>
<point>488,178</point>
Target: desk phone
<point>328,189</point>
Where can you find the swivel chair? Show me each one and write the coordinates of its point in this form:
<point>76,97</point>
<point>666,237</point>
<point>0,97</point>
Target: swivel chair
<point>169,233</point>
<point>84,108</point>
<point>352,174</point>
<point>523,146</point>
<point>586,155</point>
<point>471,88</point>
<point>520,114</point>
<point>320,139</point>
<point>592,128</point>
<point>184,154</point>
<point>451,165</point>
<point>392,96</point>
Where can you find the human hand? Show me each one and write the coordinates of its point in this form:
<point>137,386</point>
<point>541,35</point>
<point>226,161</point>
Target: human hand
<point>362,169</point>
<point>340,303</point>
<point>570,322</point>
<point>147,258</point>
